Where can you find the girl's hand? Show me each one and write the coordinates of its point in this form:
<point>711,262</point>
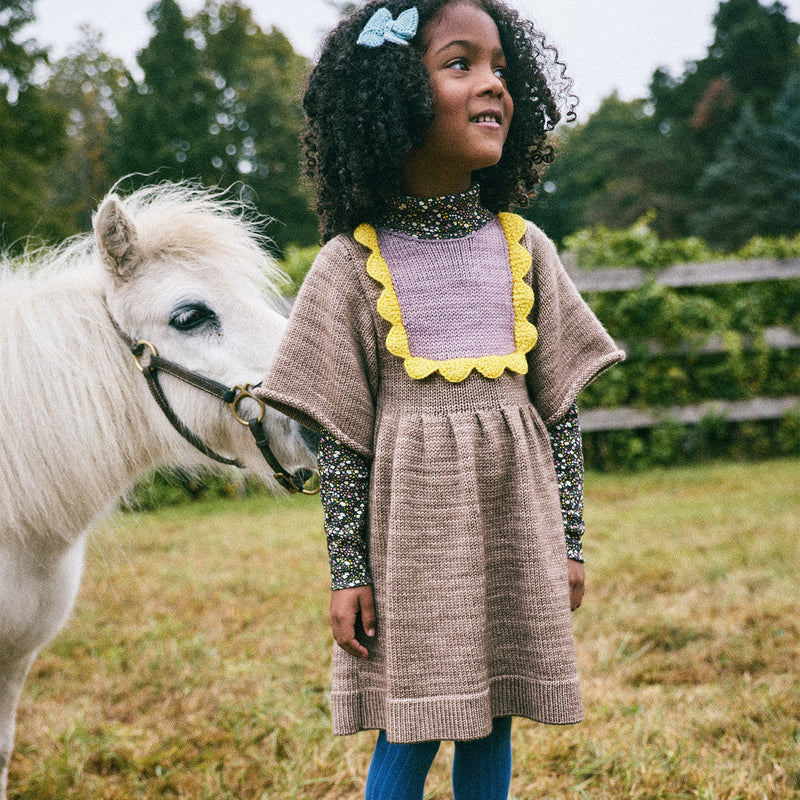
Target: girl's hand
<point>353,613</point>
<point>577,577</point>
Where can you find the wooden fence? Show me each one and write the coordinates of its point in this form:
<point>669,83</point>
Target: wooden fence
<point>681,275</point>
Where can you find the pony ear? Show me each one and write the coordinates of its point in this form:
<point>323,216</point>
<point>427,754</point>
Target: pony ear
<point>116,238</point>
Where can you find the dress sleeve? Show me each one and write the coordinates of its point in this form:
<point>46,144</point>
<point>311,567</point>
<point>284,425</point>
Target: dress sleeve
<point>344,487</point>
<point>565,439</point>
<point>325,372</point>
<point>573,347</point>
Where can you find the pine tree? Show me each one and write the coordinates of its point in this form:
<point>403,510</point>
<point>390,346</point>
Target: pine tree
<point>753,185</point>
<point>734,186</point>
<point>165,120</point>
<point>32,132</point>
<point>89,83</point>
<point>753,52</point>
<point>782,164</point>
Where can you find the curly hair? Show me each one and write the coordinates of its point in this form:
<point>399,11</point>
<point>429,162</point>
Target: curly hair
<point>367,108</point>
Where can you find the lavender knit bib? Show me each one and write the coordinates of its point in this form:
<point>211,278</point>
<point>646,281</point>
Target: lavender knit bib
<point>455,295</point>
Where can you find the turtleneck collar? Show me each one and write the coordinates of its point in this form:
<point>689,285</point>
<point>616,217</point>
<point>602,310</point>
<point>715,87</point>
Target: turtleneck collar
<point>448,217</point>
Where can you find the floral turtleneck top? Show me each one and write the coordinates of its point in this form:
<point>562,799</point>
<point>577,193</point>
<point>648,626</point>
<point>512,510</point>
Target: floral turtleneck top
<point>344,474</point>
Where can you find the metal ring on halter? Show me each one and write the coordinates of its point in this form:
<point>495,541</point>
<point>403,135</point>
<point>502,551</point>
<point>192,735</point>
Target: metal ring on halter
<point>312,473</point>
<point>243,392</point>
<point>142,343</point>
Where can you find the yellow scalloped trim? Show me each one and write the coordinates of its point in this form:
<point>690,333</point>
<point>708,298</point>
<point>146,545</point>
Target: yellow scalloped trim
<point>456,369</point>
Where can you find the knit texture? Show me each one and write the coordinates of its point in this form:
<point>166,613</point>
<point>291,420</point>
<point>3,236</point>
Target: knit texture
<point>458,273</point>
<point>344,491</point>
<point>463,311</point>
<point>466,540</point>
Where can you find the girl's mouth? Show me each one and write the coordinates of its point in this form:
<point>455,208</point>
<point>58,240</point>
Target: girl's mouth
<point>489,119</point>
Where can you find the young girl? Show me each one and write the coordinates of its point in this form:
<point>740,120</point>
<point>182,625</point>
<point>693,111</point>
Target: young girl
<point>438,348</point>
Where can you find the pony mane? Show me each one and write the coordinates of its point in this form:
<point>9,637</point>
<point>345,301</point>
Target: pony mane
<point>55,317</point>
<point>175,220</point>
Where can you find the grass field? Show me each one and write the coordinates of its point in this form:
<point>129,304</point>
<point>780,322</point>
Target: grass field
<point>196,662</point>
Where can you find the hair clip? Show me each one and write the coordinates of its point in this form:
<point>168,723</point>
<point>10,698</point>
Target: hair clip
<point>382,28</point>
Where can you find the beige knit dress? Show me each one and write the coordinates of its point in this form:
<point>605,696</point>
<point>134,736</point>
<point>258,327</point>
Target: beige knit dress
<point>466,540</point>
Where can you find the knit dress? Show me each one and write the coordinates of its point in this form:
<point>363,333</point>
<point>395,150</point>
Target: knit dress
<point>436,361</point>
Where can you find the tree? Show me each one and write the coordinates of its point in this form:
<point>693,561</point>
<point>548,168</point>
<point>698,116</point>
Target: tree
<point>32,132</point>
<point>666,153</point>
<point>754,51</point>
<point>259,116</point>
<point>219,104</point>
<point>783,161</point>
<point>165,119</point>
<point>89,83</point>
<point>608,170</point>
<point>737,195</point>
<point>753,185</point>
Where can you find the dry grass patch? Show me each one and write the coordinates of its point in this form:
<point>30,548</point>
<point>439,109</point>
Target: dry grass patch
<point>196,663</point>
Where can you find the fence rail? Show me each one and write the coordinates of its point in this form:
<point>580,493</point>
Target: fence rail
<point>685,275</point>
<point>620,279</point>
<point>779,338</point>
<point>625,418</point>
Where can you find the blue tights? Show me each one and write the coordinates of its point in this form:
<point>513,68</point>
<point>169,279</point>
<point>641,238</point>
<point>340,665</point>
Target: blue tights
<point>481,767</point>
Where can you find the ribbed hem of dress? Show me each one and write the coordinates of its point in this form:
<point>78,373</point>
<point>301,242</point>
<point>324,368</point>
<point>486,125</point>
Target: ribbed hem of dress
<point>457,718</point>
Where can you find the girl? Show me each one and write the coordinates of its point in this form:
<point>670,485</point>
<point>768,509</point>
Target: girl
<point>438,348</point>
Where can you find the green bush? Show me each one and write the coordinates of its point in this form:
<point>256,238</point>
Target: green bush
<point>296,263</point>
<point>665,330</point>
<point>172,486</point>
<point>640,246</point>
<point>637,246</point>
<point>680,320</point>
<point>673,444</point>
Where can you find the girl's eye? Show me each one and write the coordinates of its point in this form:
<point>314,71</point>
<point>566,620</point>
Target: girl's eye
<point>500,72</point>
<point>459,63</point>
<point>193,316</point>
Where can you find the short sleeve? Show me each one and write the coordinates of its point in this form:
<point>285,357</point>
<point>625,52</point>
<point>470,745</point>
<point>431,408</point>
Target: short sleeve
<point>325,372</point>
<point>573,346</point>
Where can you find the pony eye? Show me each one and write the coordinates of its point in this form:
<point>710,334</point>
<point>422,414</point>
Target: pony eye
<point>191,317</point>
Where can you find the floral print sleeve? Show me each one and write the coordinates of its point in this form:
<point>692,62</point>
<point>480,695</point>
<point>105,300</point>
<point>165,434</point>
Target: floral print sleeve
<point>565,439</point>
<point>344,486</point>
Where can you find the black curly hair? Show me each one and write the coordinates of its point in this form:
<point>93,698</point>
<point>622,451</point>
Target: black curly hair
<point>367,108</point>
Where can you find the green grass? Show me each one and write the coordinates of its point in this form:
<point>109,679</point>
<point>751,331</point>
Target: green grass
<point>196,662</point>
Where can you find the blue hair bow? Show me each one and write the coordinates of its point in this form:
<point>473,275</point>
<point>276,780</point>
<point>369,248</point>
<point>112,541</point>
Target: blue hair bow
<point>382,28</point>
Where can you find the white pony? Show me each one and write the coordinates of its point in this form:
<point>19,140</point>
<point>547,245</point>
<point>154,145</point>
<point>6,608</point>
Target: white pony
<point>171,265</point>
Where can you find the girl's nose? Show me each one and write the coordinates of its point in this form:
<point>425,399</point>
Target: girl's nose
<point>491,83</point>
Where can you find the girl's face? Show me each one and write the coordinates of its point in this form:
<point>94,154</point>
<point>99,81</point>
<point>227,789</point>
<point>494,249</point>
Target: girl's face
<point>471,104</point>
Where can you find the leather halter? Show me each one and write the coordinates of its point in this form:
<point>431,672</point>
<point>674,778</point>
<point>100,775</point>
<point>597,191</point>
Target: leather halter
<point>232,396</point>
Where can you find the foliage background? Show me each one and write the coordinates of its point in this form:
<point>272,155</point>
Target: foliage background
<point>714,152</point>
<point>706,167</point>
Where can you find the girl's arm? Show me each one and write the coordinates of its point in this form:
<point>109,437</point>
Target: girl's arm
<point>344,487</point>
<point>565,439</point>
